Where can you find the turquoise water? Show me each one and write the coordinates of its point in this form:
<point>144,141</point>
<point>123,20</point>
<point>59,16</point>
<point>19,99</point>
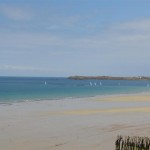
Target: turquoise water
<point>16,89</point>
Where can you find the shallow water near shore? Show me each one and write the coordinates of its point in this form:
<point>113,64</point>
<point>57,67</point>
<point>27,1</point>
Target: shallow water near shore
<point>17,89</point>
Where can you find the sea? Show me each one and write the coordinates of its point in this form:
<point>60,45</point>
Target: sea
<point>21,89</point>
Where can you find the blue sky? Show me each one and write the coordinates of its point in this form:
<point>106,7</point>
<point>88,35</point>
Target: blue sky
<point>74,37</point>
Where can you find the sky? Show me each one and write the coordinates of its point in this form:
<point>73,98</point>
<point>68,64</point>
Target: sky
<point>74,37</point>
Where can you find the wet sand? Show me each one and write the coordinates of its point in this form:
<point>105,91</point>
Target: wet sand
<point>75,124</point>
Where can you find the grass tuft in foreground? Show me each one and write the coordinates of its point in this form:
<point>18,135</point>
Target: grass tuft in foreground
<point>132,143</point>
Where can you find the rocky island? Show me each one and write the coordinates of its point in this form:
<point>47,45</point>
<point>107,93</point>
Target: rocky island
<point>108,78</point>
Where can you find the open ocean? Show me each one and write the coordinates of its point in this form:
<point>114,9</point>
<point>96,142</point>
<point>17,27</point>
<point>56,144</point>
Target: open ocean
<point>18,89</point>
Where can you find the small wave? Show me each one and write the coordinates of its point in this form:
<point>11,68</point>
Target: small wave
<point>5,103</point>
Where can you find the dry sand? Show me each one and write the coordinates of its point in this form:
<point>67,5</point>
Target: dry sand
<point>75,124</point>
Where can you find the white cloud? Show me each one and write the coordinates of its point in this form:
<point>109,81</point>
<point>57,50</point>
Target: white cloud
<point>134,33</point>
<point>116,38</point>
<point>135,25</point>
<point>23,68</point>
<point>53,27</point>
<point>58,21</point>
<point>27,40</point>
<point>115,49</point>
<point>129,35</point>
<point>15,13</point>
<point>71,21</point>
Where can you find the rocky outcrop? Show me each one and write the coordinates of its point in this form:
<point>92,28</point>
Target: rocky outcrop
<point>108,78</point>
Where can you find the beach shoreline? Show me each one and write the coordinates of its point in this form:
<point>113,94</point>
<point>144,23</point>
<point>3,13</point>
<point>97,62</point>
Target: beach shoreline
<point>96,97</point>
<point>88,123</point>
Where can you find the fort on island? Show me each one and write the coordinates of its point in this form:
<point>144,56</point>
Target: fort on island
<point>108,78</point>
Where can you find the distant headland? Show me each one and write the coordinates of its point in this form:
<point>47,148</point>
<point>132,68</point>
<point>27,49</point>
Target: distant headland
<point>107,78</point>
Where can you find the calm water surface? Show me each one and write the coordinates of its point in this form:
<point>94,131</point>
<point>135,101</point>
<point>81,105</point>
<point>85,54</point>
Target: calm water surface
<point>14,89</point>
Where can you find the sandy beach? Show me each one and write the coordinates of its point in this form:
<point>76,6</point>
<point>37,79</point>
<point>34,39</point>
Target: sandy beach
<point>75,124</point>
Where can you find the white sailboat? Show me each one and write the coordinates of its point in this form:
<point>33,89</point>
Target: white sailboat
<point>90,83</point>
<point>45,83</point>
